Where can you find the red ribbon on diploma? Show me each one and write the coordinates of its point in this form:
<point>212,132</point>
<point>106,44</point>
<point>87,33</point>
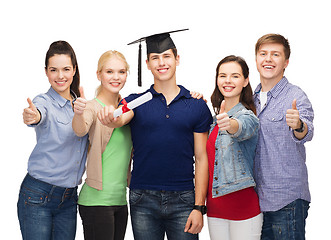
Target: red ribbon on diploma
<point>125,106</point>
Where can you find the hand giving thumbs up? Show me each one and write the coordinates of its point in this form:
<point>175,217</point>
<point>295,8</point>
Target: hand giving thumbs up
<point>80,103</point>
<point>223,120</point>
<point>31,114</point>
<point>293,117</point>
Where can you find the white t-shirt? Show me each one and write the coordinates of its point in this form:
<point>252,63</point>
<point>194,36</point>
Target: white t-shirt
<point>263,99</point>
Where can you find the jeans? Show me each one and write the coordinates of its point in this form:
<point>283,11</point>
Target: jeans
<point>287,223</point>
<point>104,222</point>
<point>46,211</point>
<point>156,213</point>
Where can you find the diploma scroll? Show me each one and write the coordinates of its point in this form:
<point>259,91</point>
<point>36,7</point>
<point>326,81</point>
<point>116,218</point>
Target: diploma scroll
<point>133,104</point>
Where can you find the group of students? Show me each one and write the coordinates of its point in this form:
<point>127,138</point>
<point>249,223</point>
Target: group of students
<point>244,167</point>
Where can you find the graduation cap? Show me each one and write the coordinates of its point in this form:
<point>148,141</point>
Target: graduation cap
<point>157,43</point>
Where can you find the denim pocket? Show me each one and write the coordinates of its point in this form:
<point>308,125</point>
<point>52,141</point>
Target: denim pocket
<point>135,197</point>
<point>34,198</point>
<point>226,140</point>
<point>187,197</point>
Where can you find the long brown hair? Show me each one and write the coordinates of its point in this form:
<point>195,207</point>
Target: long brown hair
<point>246,96</point>
<point>62,47</point>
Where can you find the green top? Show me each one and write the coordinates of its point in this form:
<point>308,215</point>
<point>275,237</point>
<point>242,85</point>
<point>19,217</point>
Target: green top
<point>115,163</point>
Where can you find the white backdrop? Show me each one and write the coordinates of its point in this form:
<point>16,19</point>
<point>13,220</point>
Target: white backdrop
<point>217,29</point>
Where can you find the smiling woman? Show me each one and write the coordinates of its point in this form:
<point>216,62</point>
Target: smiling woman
<point>231,82</point>
<point>47,201</point>
<point>106,68</point>
<point>231,168</point>
<point>113,75</point>
<point>102,200</point>
<point>60,73</point>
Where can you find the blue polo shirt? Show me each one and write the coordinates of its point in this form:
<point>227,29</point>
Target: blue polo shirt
<point>163,140</point>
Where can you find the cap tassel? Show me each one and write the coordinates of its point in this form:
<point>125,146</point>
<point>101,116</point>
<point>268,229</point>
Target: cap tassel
<point>139,65</point>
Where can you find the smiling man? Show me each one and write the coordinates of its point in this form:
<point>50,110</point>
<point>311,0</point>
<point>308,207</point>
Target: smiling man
<point>170,164</point>
<point>167,132</point>
<point>286,123</point>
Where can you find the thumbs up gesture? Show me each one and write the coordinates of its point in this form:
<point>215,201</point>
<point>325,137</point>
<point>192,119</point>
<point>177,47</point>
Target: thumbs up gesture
<point>293,117</point>
<point>30,114</point>
<point>80,103</point>
<point>223,120</point>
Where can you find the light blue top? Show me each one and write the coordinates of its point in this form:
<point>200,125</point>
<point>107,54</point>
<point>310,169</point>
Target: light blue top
<point>234,153</point>
<point>280,161</point>
<point>59,156</point>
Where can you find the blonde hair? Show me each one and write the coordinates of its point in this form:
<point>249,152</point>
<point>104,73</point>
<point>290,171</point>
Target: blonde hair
<point>104,58</point>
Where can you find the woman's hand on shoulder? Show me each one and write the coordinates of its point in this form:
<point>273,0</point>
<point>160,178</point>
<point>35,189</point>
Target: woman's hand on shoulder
<point>197,95</point>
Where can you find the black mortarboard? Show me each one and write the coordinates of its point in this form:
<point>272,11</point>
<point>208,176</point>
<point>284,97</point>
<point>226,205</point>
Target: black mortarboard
<point>157,43</point>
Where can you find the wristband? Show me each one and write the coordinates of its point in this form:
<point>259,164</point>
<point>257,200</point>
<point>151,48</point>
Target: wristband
<point>302,127</point>
<point>201,208</point>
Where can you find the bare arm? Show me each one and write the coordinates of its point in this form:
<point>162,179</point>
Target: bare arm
<point>79,124</point>
<point>195,221</point>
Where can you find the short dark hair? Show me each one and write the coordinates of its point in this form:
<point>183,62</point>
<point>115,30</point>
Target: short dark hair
<point>174,50</point>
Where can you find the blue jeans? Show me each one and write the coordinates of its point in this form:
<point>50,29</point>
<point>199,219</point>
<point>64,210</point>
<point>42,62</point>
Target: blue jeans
<point>287,223</point>
<point>156,213</point>
<point>46,211</point>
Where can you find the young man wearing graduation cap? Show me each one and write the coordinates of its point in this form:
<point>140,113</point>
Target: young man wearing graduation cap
<point>167,195</point>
